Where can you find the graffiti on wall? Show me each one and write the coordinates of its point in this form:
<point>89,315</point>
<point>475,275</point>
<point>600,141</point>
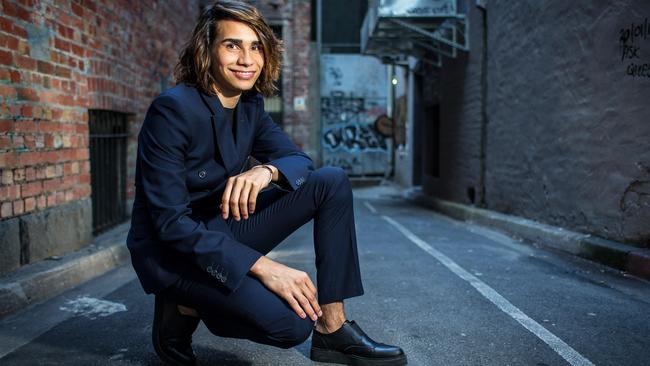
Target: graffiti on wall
<point>336,108</point>
<point>349,124</point>
<point>348,163</point>
<point>631,39</point>
<point>353,90</point>
<point>359,137</point>
<point>349,131</point>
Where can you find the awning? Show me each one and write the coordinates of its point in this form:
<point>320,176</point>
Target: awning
<point>425,29</point>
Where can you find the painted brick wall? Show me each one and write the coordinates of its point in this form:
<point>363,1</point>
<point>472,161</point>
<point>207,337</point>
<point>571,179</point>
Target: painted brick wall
<point>568,142</point>
<point>460,120</point>
<point>58,59</point>
<point>569,138</point>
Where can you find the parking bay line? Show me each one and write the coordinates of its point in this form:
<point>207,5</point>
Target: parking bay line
<point>370,207</point>
<point>564,350</point>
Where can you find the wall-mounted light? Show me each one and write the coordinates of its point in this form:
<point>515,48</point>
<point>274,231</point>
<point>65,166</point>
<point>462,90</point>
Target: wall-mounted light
<point>394,81</point>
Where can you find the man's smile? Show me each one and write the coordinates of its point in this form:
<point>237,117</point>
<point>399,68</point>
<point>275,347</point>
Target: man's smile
<point>243,75</point>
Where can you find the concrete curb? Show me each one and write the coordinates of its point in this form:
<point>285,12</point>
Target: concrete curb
<point>633,260</point>
<point>43,280</point>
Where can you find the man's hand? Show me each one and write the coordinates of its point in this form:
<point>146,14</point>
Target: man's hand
<point>294,286</point>
<point>240,195</point>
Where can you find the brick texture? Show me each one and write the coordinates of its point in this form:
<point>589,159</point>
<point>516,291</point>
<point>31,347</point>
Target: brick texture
<point>567,133</point>
<point>568,139</point>
<point>460,120</point>
<point>295,18</point>
<point>57,60</point>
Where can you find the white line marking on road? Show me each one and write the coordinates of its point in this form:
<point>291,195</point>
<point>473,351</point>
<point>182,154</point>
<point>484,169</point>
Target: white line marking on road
<point>564,350</point>
<point>370,207</point>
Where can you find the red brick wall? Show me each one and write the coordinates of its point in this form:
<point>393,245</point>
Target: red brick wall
<point>57,60</point>
<point>298,124</point>
<point>295,18</point>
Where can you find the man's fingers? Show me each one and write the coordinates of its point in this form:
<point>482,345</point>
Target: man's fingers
<point>310,285</point>
<point>313,301</point>
<point>243,200</point>
<point>235,196</point>
<point>252,199</point>
<point>225,199</point>
<point>295,306</point>
<point>306,305</point>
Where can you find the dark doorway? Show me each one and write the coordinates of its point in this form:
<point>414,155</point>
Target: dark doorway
<point>431,158</point>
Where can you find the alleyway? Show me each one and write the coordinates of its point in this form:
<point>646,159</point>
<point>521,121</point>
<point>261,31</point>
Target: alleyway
<point>449,293</point>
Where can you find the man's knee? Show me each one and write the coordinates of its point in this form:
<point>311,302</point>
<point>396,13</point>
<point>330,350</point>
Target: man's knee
<point>334,178</point>
<point>297,331</point>
<point>330,173</point>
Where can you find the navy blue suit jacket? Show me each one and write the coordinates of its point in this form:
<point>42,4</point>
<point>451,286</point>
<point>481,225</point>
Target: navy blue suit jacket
<point>183,162</point>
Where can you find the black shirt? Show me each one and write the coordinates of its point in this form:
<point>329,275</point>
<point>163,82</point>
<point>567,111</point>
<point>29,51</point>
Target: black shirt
<point>230,119</point>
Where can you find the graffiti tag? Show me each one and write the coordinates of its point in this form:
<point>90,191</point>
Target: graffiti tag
<point>354,137</point>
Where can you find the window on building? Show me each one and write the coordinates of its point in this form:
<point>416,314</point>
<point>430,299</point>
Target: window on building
<point>108,141</point>
<point>341,23</point>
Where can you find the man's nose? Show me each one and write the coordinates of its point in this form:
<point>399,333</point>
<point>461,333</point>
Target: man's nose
<point>245,57</point>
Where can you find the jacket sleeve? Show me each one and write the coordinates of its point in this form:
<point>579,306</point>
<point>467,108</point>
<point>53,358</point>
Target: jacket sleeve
<point>162,144</point>
<point>274,147</point>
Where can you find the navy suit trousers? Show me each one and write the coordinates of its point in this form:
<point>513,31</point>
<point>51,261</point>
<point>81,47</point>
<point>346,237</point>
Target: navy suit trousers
<point>254,312</point>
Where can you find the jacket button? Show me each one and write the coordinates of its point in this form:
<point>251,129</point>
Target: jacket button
<point>202,174</point>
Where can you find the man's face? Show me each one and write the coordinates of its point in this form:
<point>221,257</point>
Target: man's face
<point>239,57</point>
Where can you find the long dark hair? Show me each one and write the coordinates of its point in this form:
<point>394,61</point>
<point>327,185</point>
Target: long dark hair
<point>194,65</point>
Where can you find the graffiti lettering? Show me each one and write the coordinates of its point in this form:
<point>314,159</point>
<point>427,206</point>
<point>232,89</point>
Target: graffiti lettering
<point>347,163</point>
<point>630,43</point>
<point>337,108</point>
<point>443,9</point>
<point>634,32</point>
<point>336,75</point>
<point>353,95</point>
<point>629,52</point>
<point>354,137</point>
<point>638,70</point>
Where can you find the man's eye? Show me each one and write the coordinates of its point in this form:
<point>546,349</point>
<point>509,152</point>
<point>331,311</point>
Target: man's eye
<point>256,47</point>
<point>231,45</point>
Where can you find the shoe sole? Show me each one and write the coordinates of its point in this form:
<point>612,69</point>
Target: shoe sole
<point>324,355</point>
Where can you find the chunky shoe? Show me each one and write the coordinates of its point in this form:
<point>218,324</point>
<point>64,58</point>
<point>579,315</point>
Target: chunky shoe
<point>351,346</point>
<point>172,333</point>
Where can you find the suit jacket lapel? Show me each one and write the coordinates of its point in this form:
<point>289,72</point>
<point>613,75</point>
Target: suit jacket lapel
<point>222,133</point>
<point>228,149</point>
<point>225,142</point>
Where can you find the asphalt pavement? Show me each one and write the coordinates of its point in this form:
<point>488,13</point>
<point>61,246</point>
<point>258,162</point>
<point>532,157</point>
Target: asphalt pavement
<point>448,292</point>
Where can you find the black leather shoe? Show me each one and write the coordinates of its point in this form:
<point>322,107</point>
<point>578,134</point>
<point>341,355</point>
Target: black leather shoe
<point>351,346</point>
<point>172,333</point>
